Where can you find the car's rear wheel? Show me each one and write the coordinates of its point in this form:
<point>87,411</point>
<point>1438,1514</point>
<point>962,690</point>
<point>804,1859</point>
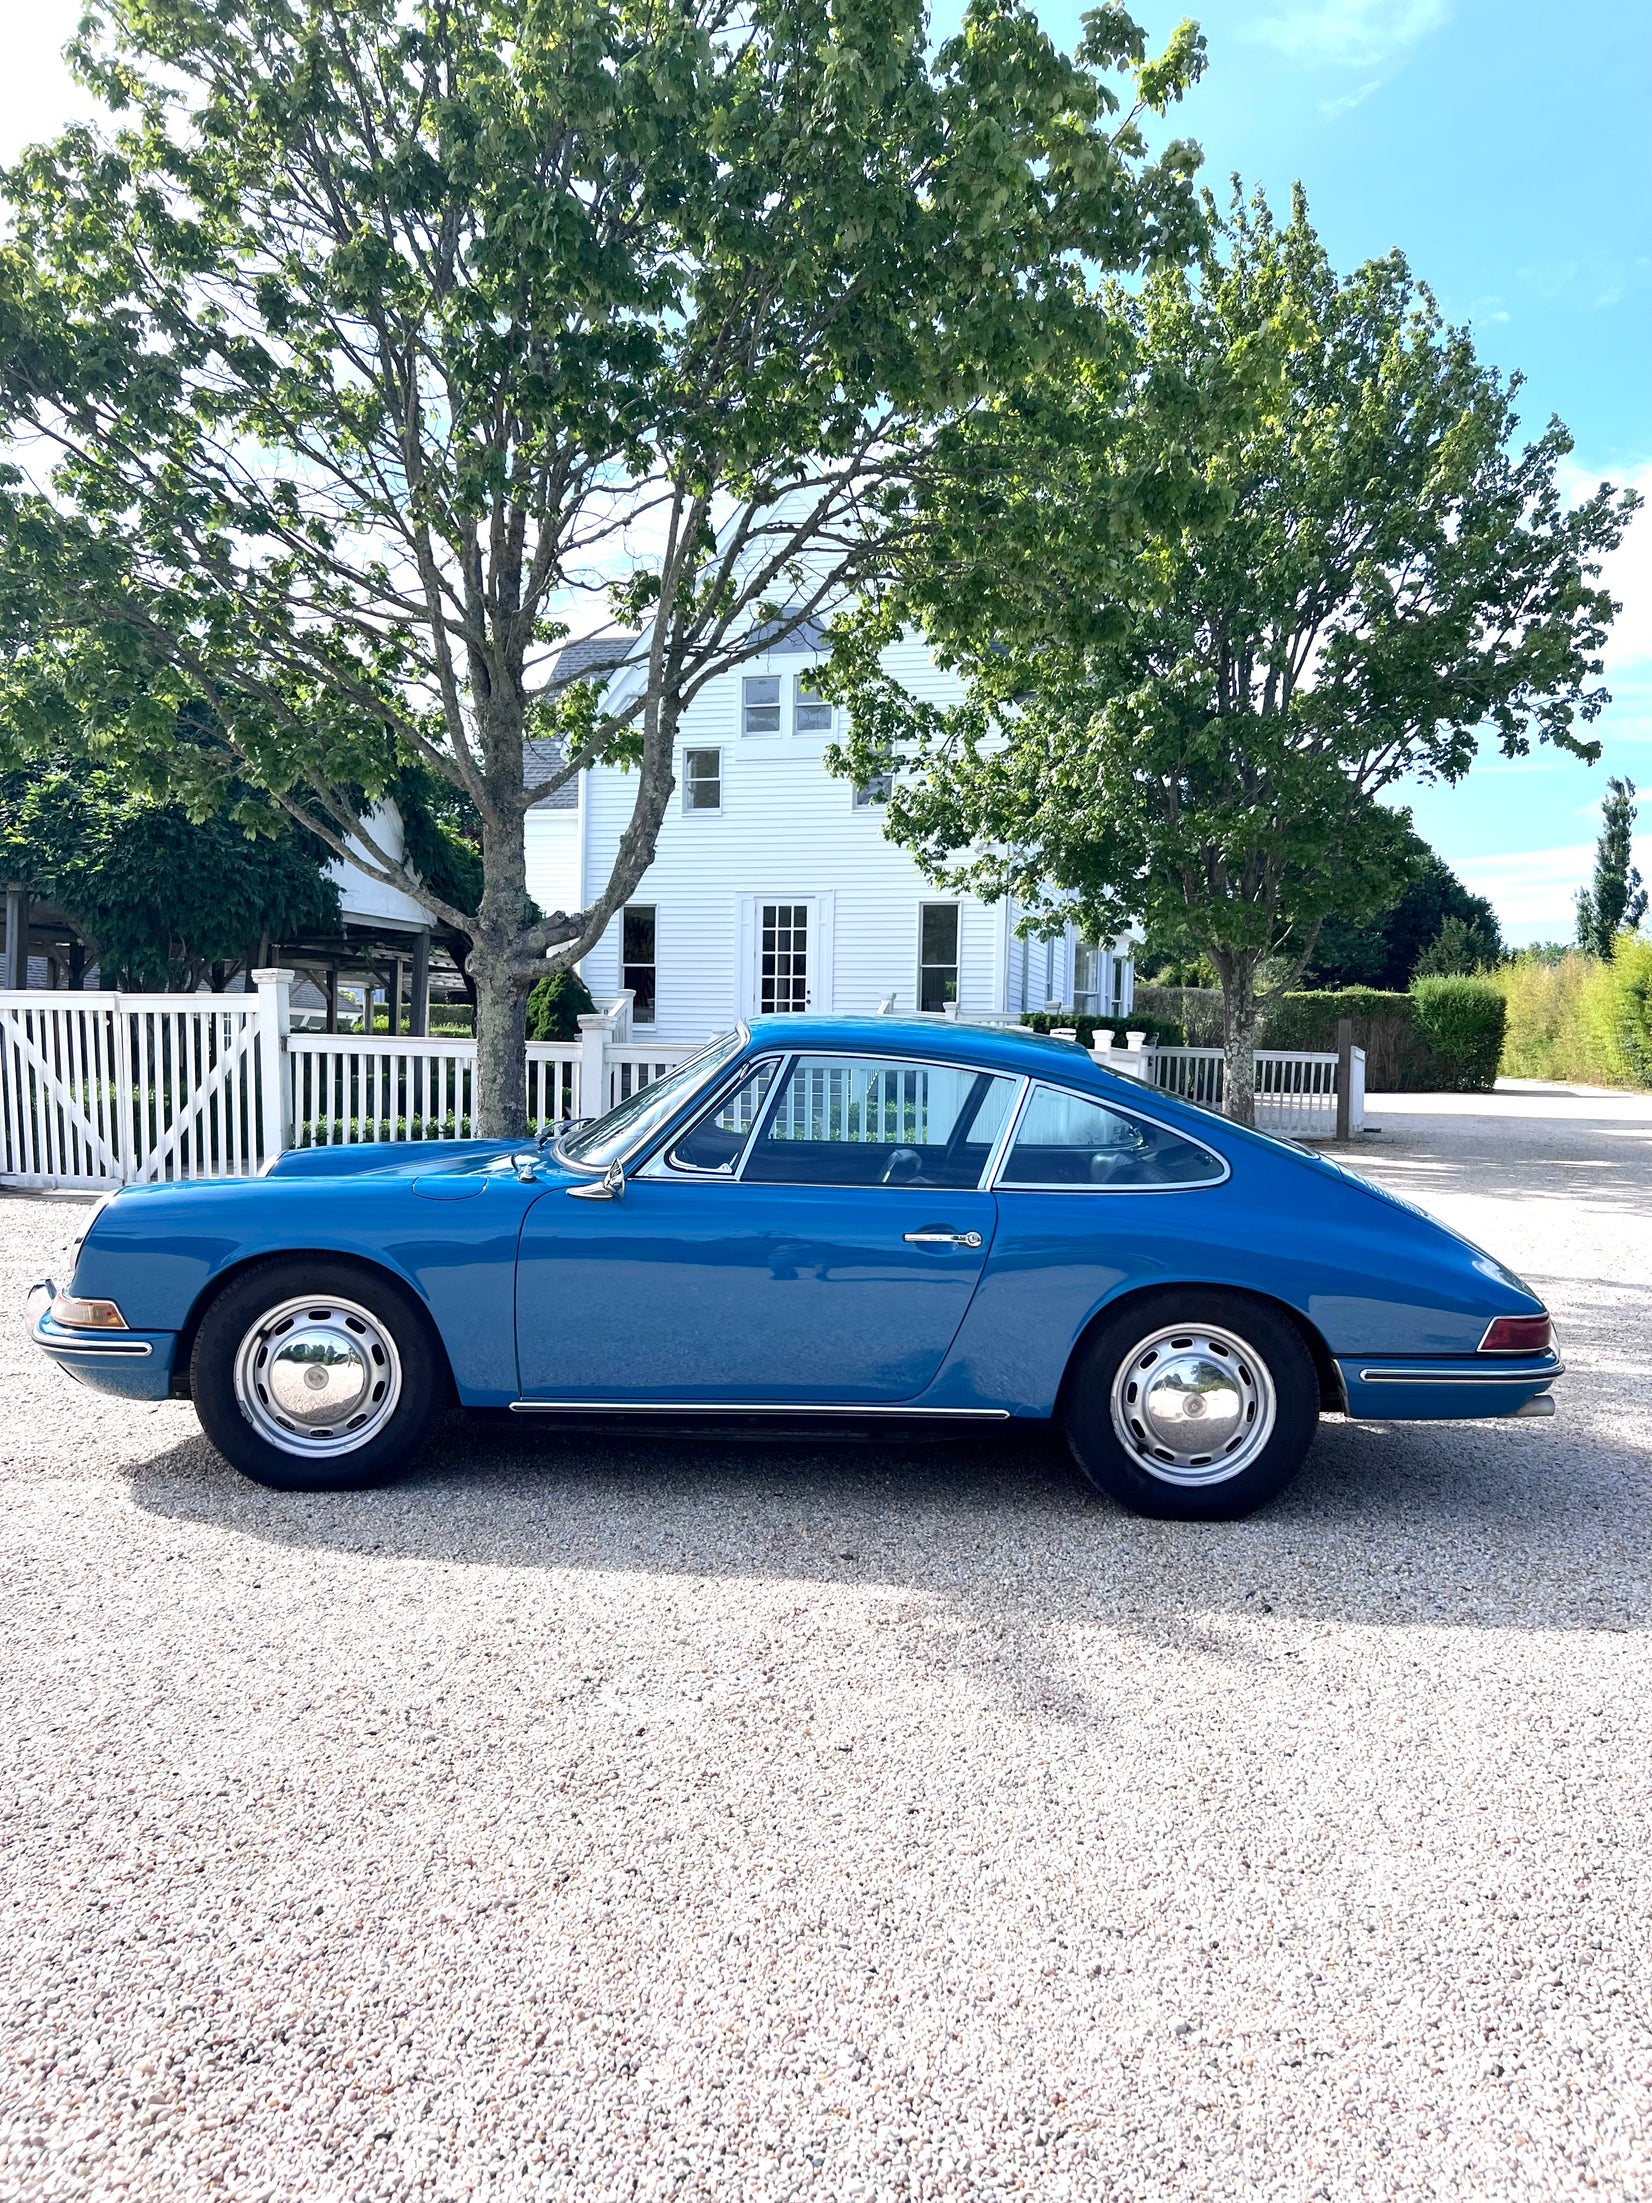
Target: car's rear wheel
<point>316,1376</point>
<point>1193,1405</point>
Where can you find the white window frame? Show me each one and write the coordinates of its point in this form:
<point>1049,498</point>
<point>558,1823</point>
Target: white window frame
<point>637,963</point>
<point>814,701</point>
<point>861,797</point>
<point>702,810</point>
<point>940,902</point>
<point>749,733</point>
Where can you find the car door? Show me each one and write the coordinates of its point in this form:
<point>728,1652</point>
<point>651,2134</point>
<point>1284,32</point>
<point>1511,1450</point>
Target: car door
<point>814,1238</point>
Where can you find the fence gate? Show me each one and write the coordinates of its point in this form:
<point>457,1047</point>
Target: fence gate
<point>112,1089</point>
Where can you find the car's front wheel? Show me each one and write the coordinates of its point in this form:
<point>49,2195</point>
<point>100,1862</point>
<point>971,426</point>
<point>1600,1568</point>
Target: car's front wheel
<point>1193,1405</point>
<point>316,1376</point>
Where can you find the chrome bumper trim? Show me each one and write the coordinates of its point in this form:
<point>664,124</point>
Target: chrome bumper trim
<point>1447,1376</point>
<point>57,1338</point>
<point>749,1407</point>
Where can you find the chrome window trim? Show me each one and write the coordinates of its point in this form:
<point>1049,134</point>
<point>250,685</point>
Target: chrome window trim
<point>1140,1116</point>
<point>650,1140</point>
<point>882,1055</point>
<point>662,1164</point>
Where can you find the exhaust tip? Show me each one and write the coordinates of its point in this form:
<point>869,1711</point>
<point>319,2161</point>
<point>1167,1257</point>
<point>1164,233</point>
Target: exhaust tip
<point>1540,1407</point>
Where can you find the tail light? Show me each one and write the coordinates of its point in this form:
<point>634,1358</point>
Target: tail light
<point>1518,1335</point>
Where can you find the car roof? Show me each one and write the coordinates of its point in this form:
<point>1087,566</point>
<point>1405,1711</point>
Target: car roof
<point>991,1047</point>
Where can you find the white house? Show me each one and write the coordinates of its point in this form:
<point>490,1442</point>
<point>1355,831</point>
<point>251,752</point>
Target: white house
<point>773,887</point>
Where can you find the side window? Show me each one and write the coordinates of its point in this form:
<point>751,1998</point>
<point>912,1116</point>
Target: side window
<point>637,961</point>
<point>1066,1139</point>
<point>713,1145</point>
<point>702,780</point>
<point>760,703</point>
<point>871,1121</point>
<point>937,955</point>
<point>872,794</point>
<point>811,714</point>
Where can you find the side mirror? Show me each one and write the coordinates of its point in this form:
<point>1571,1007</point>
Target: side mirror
<point>609,1187</point>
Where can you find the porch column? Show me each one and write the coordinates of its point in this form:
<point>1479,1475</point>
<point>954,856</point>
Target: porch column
<point>418,1008</point>
<point>15,970</point>
<point>398,979</point>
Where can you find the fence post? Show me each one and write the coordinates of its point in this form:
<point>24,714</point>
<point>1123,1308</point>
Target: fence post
<point>1345,1078</point>
<point>595,1032</point>
<point>274,1070</point>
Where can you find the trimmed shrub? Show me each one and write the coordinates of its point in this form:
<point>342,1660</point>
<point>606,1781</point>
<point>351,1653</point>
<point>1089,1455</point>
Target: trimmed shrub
<point>1463,1021</point>
<point>556,1005</point>
<point>1161,1032</point>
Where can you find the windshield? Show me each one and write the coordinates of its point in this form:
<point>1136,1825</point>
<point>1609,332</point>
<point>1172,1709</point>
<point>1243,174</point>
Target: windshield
<point>595,1146</point>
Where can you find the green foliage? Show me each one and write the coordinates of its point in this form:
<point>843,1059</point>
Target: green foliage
<point>1162,1032</point>
<point>1215,593</point>
<point>159,896</point>
<point>1383,951</point>
<point>1580,1019</point>
<point>368,341</point>
<point>1617,901</point>
<point>556,1004</point>
<point>1463,1021</point>
<point>1457,950</point>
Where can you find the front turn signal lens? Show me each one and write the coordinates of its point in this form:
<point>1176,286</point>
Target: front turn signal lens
<point>87,1315</point>
<point>1518,1335</point>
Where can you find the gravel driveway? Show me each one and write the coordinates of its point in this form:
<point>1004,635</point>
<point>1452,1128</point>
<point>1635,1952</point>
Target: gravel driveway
<point>600,1820</point>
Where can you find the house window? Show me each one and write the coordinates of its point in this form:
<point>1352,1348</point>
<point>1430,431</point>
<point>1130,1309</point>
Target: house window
<point>637,967</point>
<point>874,792</point>
<point>811,714</point>
<point>702,780</point>
<point>783,961</point>
<point>760,700</point>
<point>937,955</point>
<point>1088,965</point>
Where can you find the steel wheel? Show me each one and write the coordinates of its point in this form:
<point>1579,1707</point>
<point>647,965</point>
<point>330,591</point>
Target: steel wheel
<point>318,1377</point>
<point>1193,1404</point>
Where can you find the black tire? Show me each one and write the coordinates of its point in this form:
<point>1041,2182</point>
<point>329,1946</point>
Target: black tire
<point>1128,1420</point>
<point>363,1436</point>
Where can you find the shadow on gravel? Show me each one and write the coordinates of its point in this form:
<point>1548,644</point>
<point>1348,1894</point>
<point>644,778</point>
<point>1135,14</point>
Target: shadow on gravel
<point>1529,1527</point>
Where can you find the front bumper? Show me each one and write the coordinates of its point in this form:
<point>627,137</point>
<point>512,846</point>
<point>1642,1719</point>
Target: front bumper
<point>133,1365</point>
<point>1459,1388</point>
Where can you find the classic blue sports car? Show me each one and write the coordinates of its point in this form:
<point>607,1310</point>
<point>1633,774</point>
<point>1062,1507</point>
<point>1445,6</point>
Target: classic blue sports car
<point>865,1219</point>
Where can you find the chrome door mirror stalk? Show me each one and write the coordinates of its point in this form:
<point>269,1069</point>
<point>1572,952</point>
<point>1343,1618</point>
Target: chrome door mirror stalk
<point>609,1187</point>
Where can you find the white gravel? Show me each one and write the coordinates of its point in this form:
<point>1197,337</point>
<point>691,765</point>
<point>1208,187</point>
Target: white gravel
<point>600,1820</point>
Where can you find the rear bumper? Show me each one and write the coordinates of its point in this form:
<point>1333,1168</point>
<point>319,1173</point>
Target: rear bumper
<point>1460,1388</point>
<point>133,1365</point>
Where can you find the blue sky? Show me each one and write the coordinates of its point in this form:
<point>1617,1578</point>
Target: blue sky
<point>1506,147</point>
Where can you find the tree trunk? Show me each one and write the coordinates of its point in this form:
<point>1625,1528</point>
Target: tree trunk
<point>500,1105</point>
<point>1238,976</point>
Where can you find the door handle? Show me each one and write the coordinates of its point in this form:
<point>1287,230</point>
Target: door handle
<point>941,1238</point>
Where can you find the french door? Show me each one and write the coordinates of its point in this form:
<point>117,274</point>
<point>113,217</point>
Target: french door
<point>782,958</point>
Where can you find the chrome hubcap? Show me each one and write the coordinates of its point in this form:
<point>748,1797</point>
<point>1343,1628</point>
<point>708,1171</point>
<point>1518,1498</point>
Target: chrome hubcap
<point>1193,1404</point>
<point>318,1377</point>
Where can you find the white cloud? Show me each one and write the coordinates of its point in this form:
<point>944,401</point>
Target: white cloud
<point>1627,572</point>
<point>1331,108</point>
<point>1534,891</point>
<point>1351,34</point>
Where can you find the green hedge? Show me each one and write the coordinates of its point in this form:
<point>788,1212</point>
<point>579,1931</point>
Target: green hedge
<point>1463,1021</point>
<point>1581,1019</point>
<point>1161,1031</point>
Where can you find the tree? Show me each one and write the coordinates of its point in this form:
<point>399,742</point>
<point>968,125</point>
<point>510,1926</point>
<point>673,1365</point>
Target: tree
<point>390,339</point>
<point>1384,950</point>
<point>1617,902</point>
<point>1214,595</point>
<point>159,897</point>
<point>1457,951</point>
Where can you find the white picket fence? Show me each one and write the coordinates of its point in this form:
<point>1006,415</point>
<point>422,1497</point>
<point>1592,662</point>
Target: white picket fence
<point>112,1089</point>
<point>1296,1090</point>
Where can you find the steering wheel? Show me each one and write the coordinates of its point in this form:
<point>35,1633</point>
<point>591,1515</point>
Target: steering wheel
<point>902,1167</point>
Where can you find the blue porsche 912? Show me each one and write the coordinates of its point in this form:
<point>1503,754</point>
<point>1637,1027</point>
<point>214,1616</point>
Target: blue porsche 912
<point>882,1222</point>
